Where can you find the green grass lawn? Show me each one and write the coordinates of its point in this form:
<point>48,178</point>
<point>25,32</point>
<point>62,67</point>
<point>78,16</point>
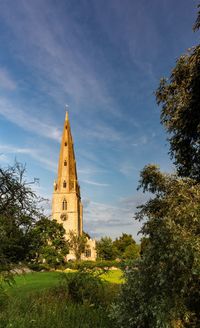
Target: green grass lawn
<point>113,276</point>
<point>34,282</point>
<point>36,300</point>
<point>39,281</point>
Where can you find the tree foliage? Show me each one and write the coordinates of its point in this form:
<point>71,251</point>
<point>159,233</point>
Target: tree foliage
<point>25,234</point>
<point>197,23</point>
<point>77,244</point>
<point>163,290</point>
<point>126,247</point>
<point>18,211</point>
<point>106,250</point>
<point>48,243</point>
<point>132,252</point>
<point>180,114</point>
<point>123,241</point>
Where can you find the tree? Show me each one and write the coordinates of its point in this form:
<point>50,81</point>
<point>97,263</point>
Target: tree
<point>163,290</point>
<point>144,243</point>
<point>106,250</point>
<point>123,242</point>
<point>197,23</point>
<point>180,114</point>
<point>77,244</point>
<point>19,209</point>
<point>132,252</point>
<point>48,243</point>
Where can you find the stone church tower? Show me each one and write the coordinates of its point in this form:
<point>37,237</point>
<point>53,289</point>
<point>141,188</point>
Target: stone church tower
<point>66,206</point>
<point>66,203</point>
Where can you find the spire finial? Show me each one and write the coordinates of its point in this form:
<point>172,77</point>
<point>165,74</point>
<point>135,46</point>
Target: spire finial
<point>66,115</point>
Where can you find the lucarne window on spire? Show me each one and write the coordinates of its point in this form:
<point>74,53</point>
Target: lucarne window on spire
<point>64,205</point>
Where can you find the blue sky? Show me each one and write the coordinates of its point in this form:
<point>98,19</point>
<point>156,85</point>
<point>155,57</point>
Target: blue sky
<point>104,60</point>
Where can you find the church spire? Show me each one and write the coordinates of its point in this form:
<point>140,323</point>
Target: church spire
<point>66,202</point>
<point>66,116</point>
<point>67,174</point>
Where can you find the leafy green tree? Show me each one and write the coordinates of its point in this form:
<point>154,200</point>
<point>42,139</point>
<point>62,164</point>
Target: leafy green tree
<point>180,99</point>
<point>77,244</point>
<point>163,290</point>
<point>106,250</point>
<point>123,242</point>
<point>143,244</point>
<point>132,252</point>
<point>48,243</point>
<point>197,23</point>
<point>19,209</point>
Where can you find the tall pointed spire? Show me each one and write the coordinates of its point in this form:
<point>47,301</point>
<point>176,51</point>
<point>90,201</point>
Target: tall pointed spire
<point>66,203</point>
<point>66,115</point>
<point>67,164</point>
<point>66,198</point>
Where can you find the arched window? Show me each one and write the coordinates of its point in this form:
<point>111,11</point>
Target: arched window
<point>88,253</point>
<point>64,184</point>
<point>65,162</point>
<point>65,143</point>
<point>64,205</point>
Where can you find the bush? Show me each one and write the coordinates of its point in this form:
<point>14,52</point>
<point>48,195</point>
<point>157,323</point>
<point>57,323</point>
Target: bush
<point>84,288</point>
<point>92,265</point>
<point>39,267</point>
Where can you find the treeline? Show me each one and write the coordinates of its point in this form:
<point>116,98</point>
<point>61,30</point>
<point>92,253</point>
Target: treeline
<point>121,248</point>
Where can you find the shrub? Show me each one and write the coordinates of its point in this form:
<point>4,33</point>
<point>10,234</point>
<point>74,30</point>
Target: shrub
<point>84,288</point>
<point>39,267</point>
<point>92,265</point>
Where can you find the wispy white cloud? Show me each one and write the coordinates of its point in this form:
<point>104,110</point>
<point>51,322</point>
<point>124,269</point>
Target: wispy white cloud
<point>127,168</point>
<point>59,52</point>
<point>141,141</point>
<point>4,158</point>
<point>6,81</point>
<point>34,153</point>
<point>103,131</point>
<point>125,37</point>
<point>27,121</point>
<point>94,183</point>
<point>104,219</point>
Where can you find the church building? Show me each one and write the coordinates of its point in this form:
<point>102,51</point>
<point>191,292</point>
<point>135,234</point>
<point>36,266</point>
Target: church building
<point>67,207</point>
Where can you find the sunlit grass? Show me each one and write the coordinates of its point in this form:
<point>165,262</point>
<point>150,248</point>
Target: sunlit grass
<point>34,282</point>
<point>113,276</point>
<point>39,281</point>
<point>35,300</point>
